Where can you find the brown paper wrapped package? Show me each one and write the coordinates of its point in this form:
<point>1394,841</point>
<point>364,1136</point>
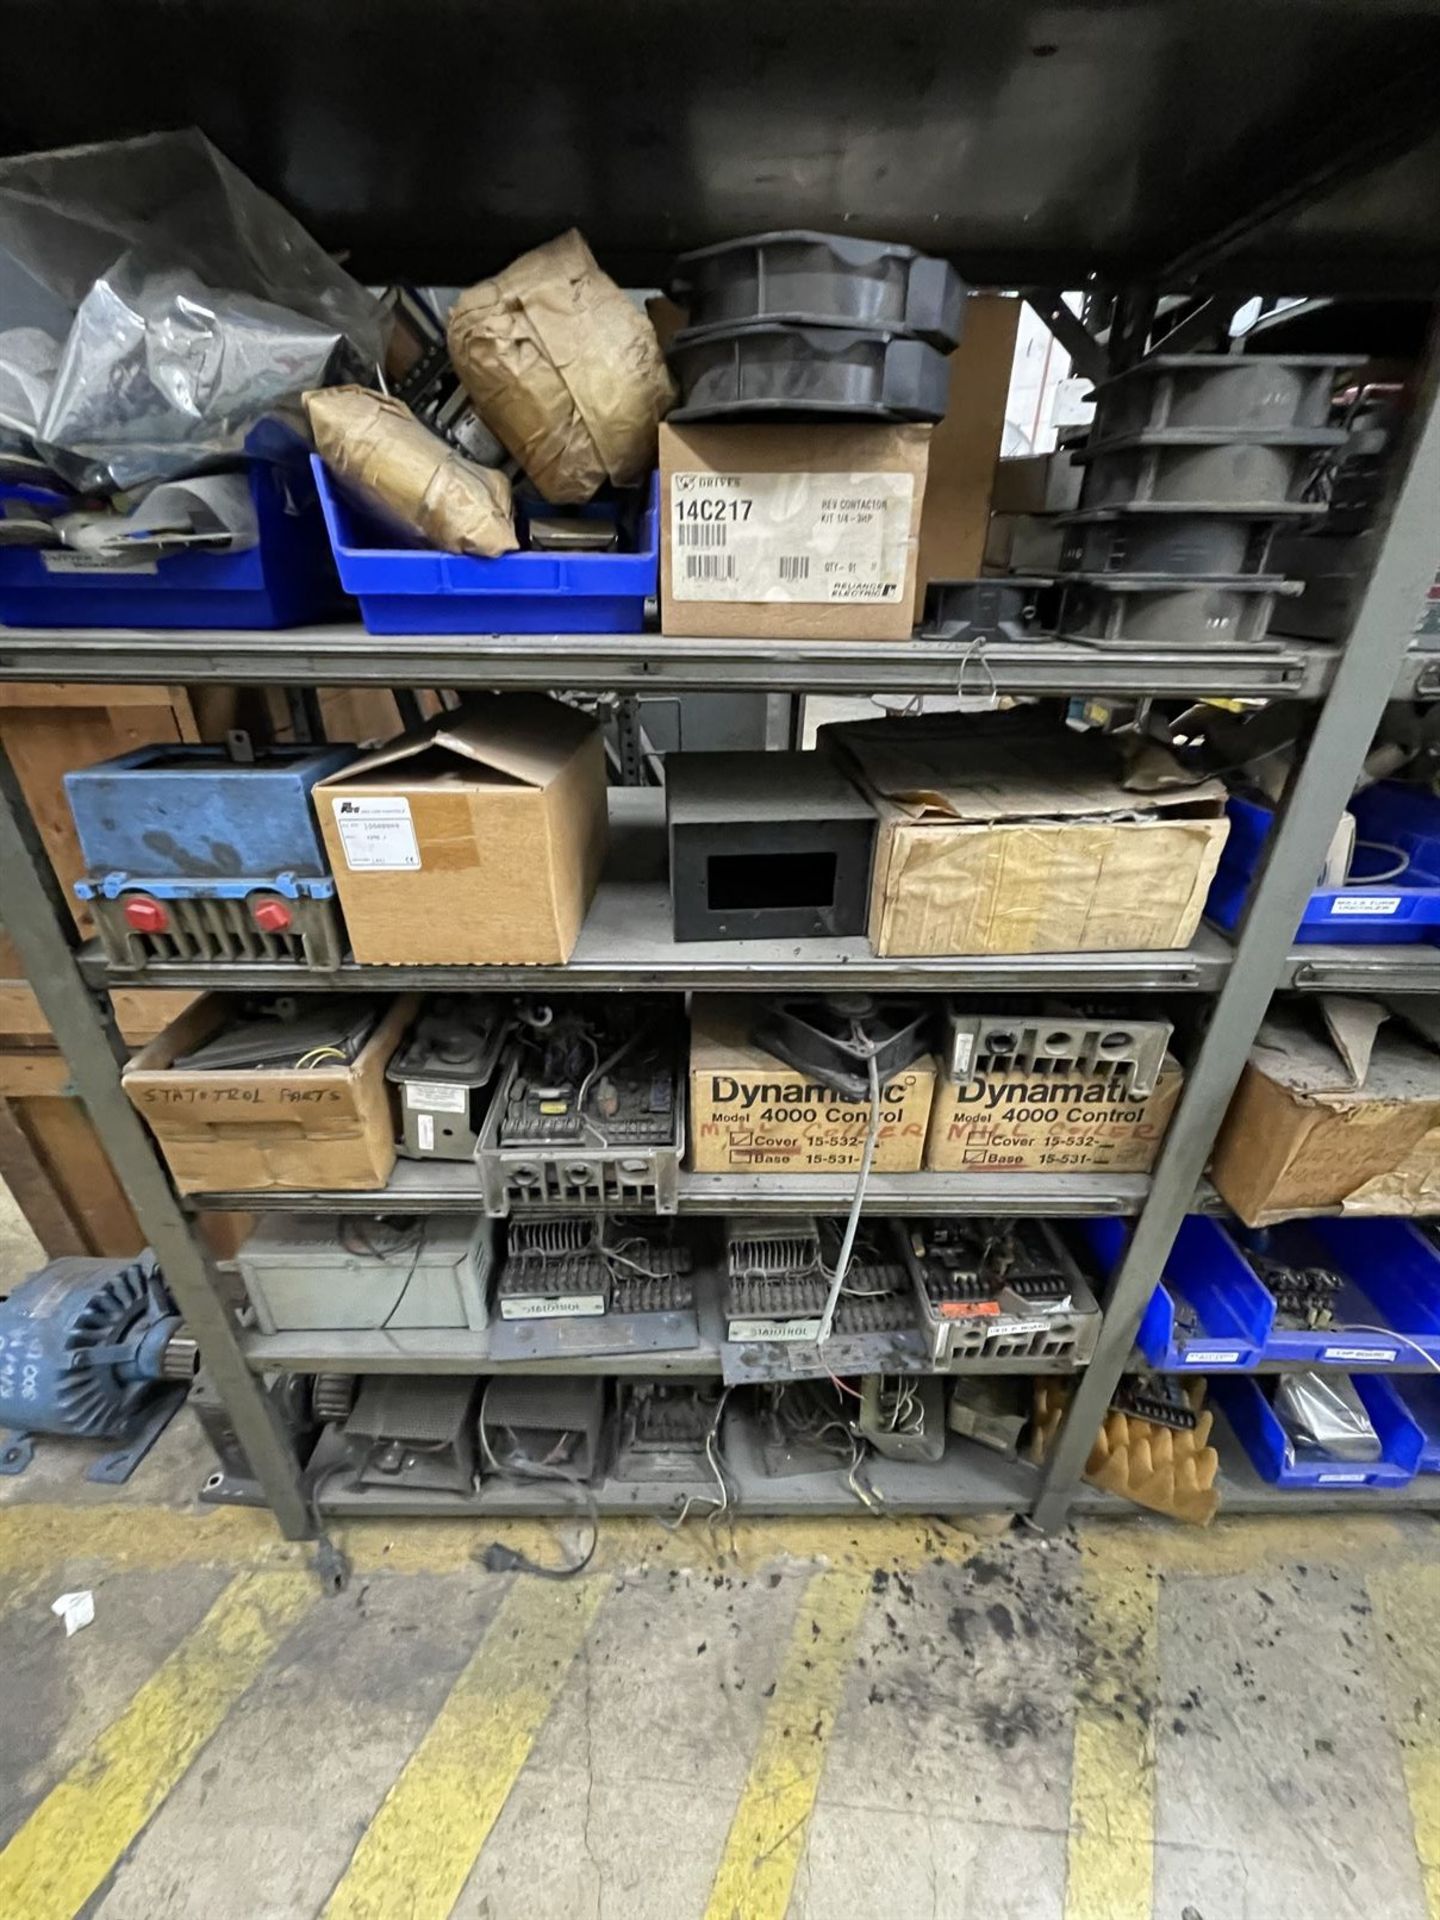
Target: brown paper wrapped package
<point>563,370</point>
<point>382,453</point>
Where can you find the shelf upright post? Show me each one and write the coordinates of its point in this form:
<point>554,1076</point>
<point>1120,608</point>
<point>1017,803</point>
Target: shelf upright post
<point>35,916</point>
<point>1363,683</point>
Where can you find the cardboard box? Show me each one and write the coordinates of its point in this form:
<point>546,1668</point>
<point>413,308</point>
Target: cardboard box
<point>1312,1131</point>
<point>1048,1123</point>
<point>476,841</point>
<point>998,834</point>
<point>1038,483</point>
<point>321,1127</point>
<point>965,445</point>
<point>790,532</point>
<point>750,1113</point>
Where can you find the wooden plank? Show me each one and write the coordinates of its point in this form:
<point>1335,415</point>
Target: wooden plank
<point>140,1013</point>
<point>65,693</point>
<point>36,1071</point>
<point>44,744</point>
<point>30,1181</point>
<point>69,1149</point>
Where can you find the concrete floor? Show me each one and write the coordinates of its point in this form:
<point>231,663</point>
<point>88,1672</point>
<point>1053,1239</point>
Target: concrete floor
<point>829,1720</point>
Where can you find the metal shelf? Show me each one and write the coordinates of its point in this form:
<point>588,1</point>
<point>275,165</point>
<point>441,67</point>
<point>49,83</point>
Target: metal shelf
<point>463,1350</point>
<point>432,1186</point>
<point>1412,968</point>
<point>968,1480</point>
<point>626,942</point>
<point>345,655</point>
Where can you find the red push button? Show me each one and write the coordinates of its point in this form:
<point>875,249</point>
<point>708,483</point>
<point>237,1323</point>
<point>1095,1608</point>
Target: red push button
<point>271,916</point>
<point>145,915</point>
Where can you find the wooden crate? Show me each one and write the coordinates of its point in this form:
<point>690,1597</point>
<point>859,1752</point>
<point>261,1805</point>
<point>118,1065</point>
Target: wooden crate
<point>50,1156</point>
<point>53,1163</point>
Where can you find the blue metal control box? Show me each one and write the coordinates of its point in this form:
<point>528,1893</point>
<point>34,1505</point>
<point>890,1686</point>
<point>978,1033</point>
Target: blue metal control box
<point>193,854</point>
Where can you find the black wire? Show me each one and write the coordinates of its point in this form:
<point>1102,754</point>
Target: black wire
<point>405,1284</point>
<point>498,1558</point>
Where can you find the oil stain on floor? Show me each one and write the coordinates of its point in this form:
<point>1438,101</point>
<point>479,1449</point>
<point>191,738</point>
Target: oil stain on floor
<point>823,1720</point>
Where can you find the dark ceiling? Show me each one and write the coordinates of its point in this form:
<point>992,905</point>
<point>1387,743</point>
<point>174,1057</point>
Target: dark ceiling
<point>1031,142</point>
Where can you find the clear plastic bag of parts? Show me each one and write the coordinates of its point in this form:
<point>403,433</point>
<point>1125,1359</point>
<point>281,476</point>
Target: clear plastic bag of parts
<point>1322,1413</point>
<point>184,305</point>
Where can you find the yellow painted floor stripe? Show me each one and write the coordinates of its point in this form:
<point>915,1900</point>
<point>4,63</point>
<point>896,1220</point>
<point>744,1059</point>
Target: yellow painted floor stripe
<point>1112,1781</point>
<point>76,1835</point>
<point>43,1534</point>
<point>767,1834</point>
<point>1407,1602</point>
<point>419,1849</point>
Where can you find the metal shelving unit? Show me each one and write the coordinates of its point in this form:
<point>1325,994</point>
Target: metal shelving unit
<point>433,1186</point>
<point>1324,178</point>
<point>347,656</point>
<point>627,942</point>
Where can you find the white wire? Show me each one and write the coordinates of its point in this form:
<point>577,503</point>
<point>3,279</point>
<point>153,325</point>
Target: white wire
<point>1401,865</point>
<point>717,1507</point>
<point>852,1224</point>
<point>1389,1333</point>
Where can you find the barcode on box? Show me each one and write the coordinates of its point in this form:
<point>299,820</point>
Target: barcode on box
<point>709,566</point>
<point>704,535</point>
<point>794,566</point>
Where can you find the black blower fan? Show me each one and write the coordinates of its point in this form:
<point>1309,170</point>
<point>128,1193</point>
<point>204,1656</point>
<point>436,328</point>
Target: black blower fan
<point>833,1040</point>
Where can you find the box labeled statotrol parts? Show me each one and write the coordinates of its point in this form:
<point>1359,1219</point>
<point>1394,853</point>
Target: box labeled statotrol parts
<point>790,532</point>
<point>751,1113</point>
<point>1049,1120</point>
<point>1002,833</point>
<point>475,841</point>
<point>263,1128</point>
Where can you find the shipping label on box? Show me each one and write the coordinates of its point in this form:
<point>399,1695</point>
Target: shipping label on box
<point>791,532</point>
<point>815,537</point>
<point>1049,1124</point>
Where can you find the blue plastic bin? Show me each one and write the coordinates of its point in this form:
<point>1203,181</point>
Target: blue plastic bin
<point>1421,1400</point>
<point>1206,1270</point>
<point>419,590</point>
<point>1393,1280</point>
<point>1382,915</point>
<point>1263,1438</point>
<point>287,579</point>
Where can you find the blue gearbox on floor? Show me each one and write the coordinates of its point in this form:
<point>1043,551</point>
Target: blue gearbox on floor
<point>91,1349</point>
<point>192,853</point>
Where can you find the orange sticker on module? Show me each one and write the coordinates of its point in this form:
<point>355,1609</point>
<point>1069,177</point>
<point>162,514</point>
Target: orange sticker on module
<point>969,1309</point>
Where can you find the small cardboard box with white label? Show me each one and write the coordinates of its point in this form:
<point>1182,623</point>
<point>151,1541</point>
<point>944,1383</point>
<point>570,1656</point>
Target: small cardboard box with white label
<point>476,841</point>
<point>750,1113</point>
<point>791,532</point>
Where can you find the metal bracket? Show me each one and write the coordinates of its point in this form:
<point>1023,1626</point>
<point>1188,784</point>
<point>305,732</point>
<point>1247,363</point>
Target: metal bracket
<point>1085,351</point>
<point>16,1453</point>
<point>115,1468</point>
